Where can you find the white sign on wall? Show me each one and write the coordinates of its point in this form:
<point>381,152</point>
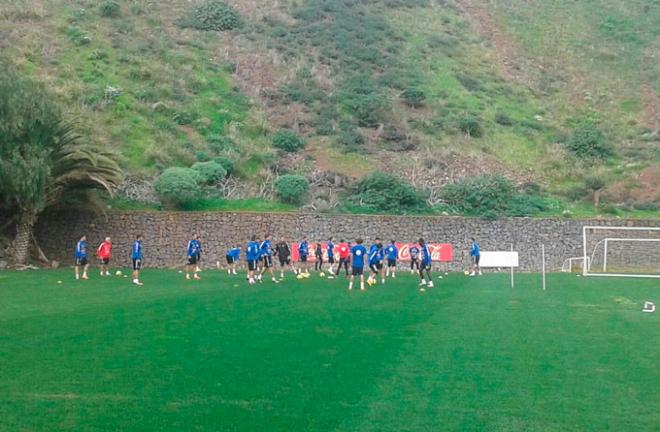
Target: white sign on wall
<point>499,259</point>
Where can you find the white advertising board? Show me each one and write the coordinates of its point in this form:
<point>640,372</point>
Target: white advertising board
<point>498,259</point>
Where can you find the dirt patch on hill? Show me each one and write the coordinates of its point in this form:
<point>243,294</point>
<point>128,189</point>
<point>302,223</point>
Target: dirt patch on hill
<point>510,61</point>
<point>643,188</point>
<point>651,107</point>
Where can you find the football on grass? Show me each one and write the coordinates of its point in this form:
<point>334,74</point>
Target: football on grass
<point>118,273</point>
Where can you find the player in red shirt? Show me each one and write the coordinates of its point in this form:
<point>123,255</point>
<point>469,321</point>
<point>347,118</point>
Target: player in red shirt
<point>344,256</point>
<point>104,252</point>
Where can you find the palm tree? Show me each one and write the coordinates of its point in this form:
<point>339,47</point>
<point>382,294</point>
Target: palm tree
<point>41,158</point>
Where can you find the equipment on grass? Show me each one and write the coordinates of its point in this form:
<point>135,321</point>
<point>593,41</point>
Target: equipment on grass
<point>466,272</point>
<point>621,251</point>
<point>300,276</point>
<point>649,307</point>
<point>321,274</point>
<point>118,273</point>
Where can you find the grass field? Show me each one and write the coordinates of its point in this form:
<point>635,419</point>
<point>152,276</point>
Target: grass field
<point>471,354</point>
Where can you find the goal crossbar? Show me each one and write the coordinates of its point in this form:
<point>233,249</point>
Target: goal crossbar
<point>586,269</point>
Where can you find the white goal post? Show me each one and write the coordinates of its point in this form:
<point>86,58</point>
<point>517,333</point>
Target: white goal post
<point>621,251</point>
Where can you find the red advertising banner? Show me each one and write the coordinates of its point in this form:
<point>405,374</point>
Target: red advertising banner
<point>440,252</point>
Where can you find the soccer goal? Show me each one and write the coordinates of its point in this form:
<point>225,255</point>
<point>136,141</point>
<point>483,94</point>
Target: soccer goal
<point>621,251</point>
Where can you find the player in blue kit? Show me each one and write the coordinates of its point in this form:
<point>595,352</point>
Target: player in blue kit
<point>358,252</point>
<point>266,249</point>
<point>81,258</point>
<point>303,253</point>
<point>475,253</point>
<point>425,266</point>
<point>392,253</point>
<point>330,247</point>
<point>232,257</point>
<point>414,258</point>
<point>136,258</point>
<point>252,254</point>
<point>376,256</point>
<point>194,252</point>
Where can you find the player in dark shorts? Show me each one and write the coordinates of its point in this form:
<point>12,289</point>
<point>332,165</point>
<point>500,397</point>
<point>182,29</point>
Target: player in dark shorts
<point>266,249</point>
<point>426,266</point>
<point>392,253</point>
<point>252,254</point>
<point>376,256</point>
<point>194,252</point>
<point>330,248</point>
<point>414,258</point>
<point>136,257</point>
<point>104,252</point>
<point>81,258</point>
<point>283,252</point>
<point>358,253</point>
<point>303,252</point>
<point>232,257</point>
<point>318,255</point>
<point>344,256</point>
<point>476,255</point>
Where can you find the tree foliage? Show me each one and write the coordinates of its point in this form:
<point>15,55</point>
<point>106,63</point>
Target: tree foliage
<point>109,9</point>
<point>588,143</point>
<point>41,156</point>
<point>291,188</point>
<point>211,15</point>
<point>413,96</point>
<point>210,171</point>
<point>178,186</point>
<point>491,196</point>
<point>288,140</point>
<point>385,192</point>
<point>470,125</point>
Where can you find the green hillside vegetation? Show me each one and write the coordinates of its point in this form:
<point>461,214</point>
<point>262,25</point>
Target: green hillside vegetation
<point>443,95</point>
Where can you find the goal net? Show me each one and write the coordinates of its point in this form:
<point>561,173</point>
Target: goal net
<point>621,251</point>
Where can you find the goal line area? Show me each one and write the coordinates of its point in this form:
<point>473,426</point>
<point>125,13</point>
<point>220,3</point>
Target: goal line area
<point>621,251</point>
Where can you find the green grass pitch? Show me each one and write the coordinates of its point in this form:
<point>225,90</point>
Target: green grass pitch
<point>307,355</point>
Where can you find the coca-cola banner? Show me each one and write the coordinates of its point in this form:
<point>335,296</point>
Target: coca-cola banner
<point>440,252</point>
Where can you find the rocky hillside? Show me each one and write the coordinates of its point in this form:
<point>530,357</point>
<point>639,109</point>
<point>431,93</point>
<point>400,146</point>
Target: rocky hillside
<point>559,97</point>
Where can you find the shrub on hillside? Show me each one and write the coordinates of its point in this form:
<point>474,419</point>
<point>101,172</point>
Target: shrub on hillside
<point>219,143</point>
<point>413,97</point>
<point>385,192</point>
<point>177,186</point>
<point>287,140</point>
<point>469,124</point>
<point>491,196</point>
<point>588,143</point>
<point>226,163</point>
<point>202,156</point>
<point>479,195</point>
<point>209,172</point>
<point>211,15</point>
<point>503,119</point>
<point>109,9</point>
<point>291,188</point>
<point>369,109</point>
<point>351,138</point>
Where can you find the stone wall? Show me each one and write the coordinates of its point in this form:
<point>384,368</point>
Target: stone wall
<point>167,233</point>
